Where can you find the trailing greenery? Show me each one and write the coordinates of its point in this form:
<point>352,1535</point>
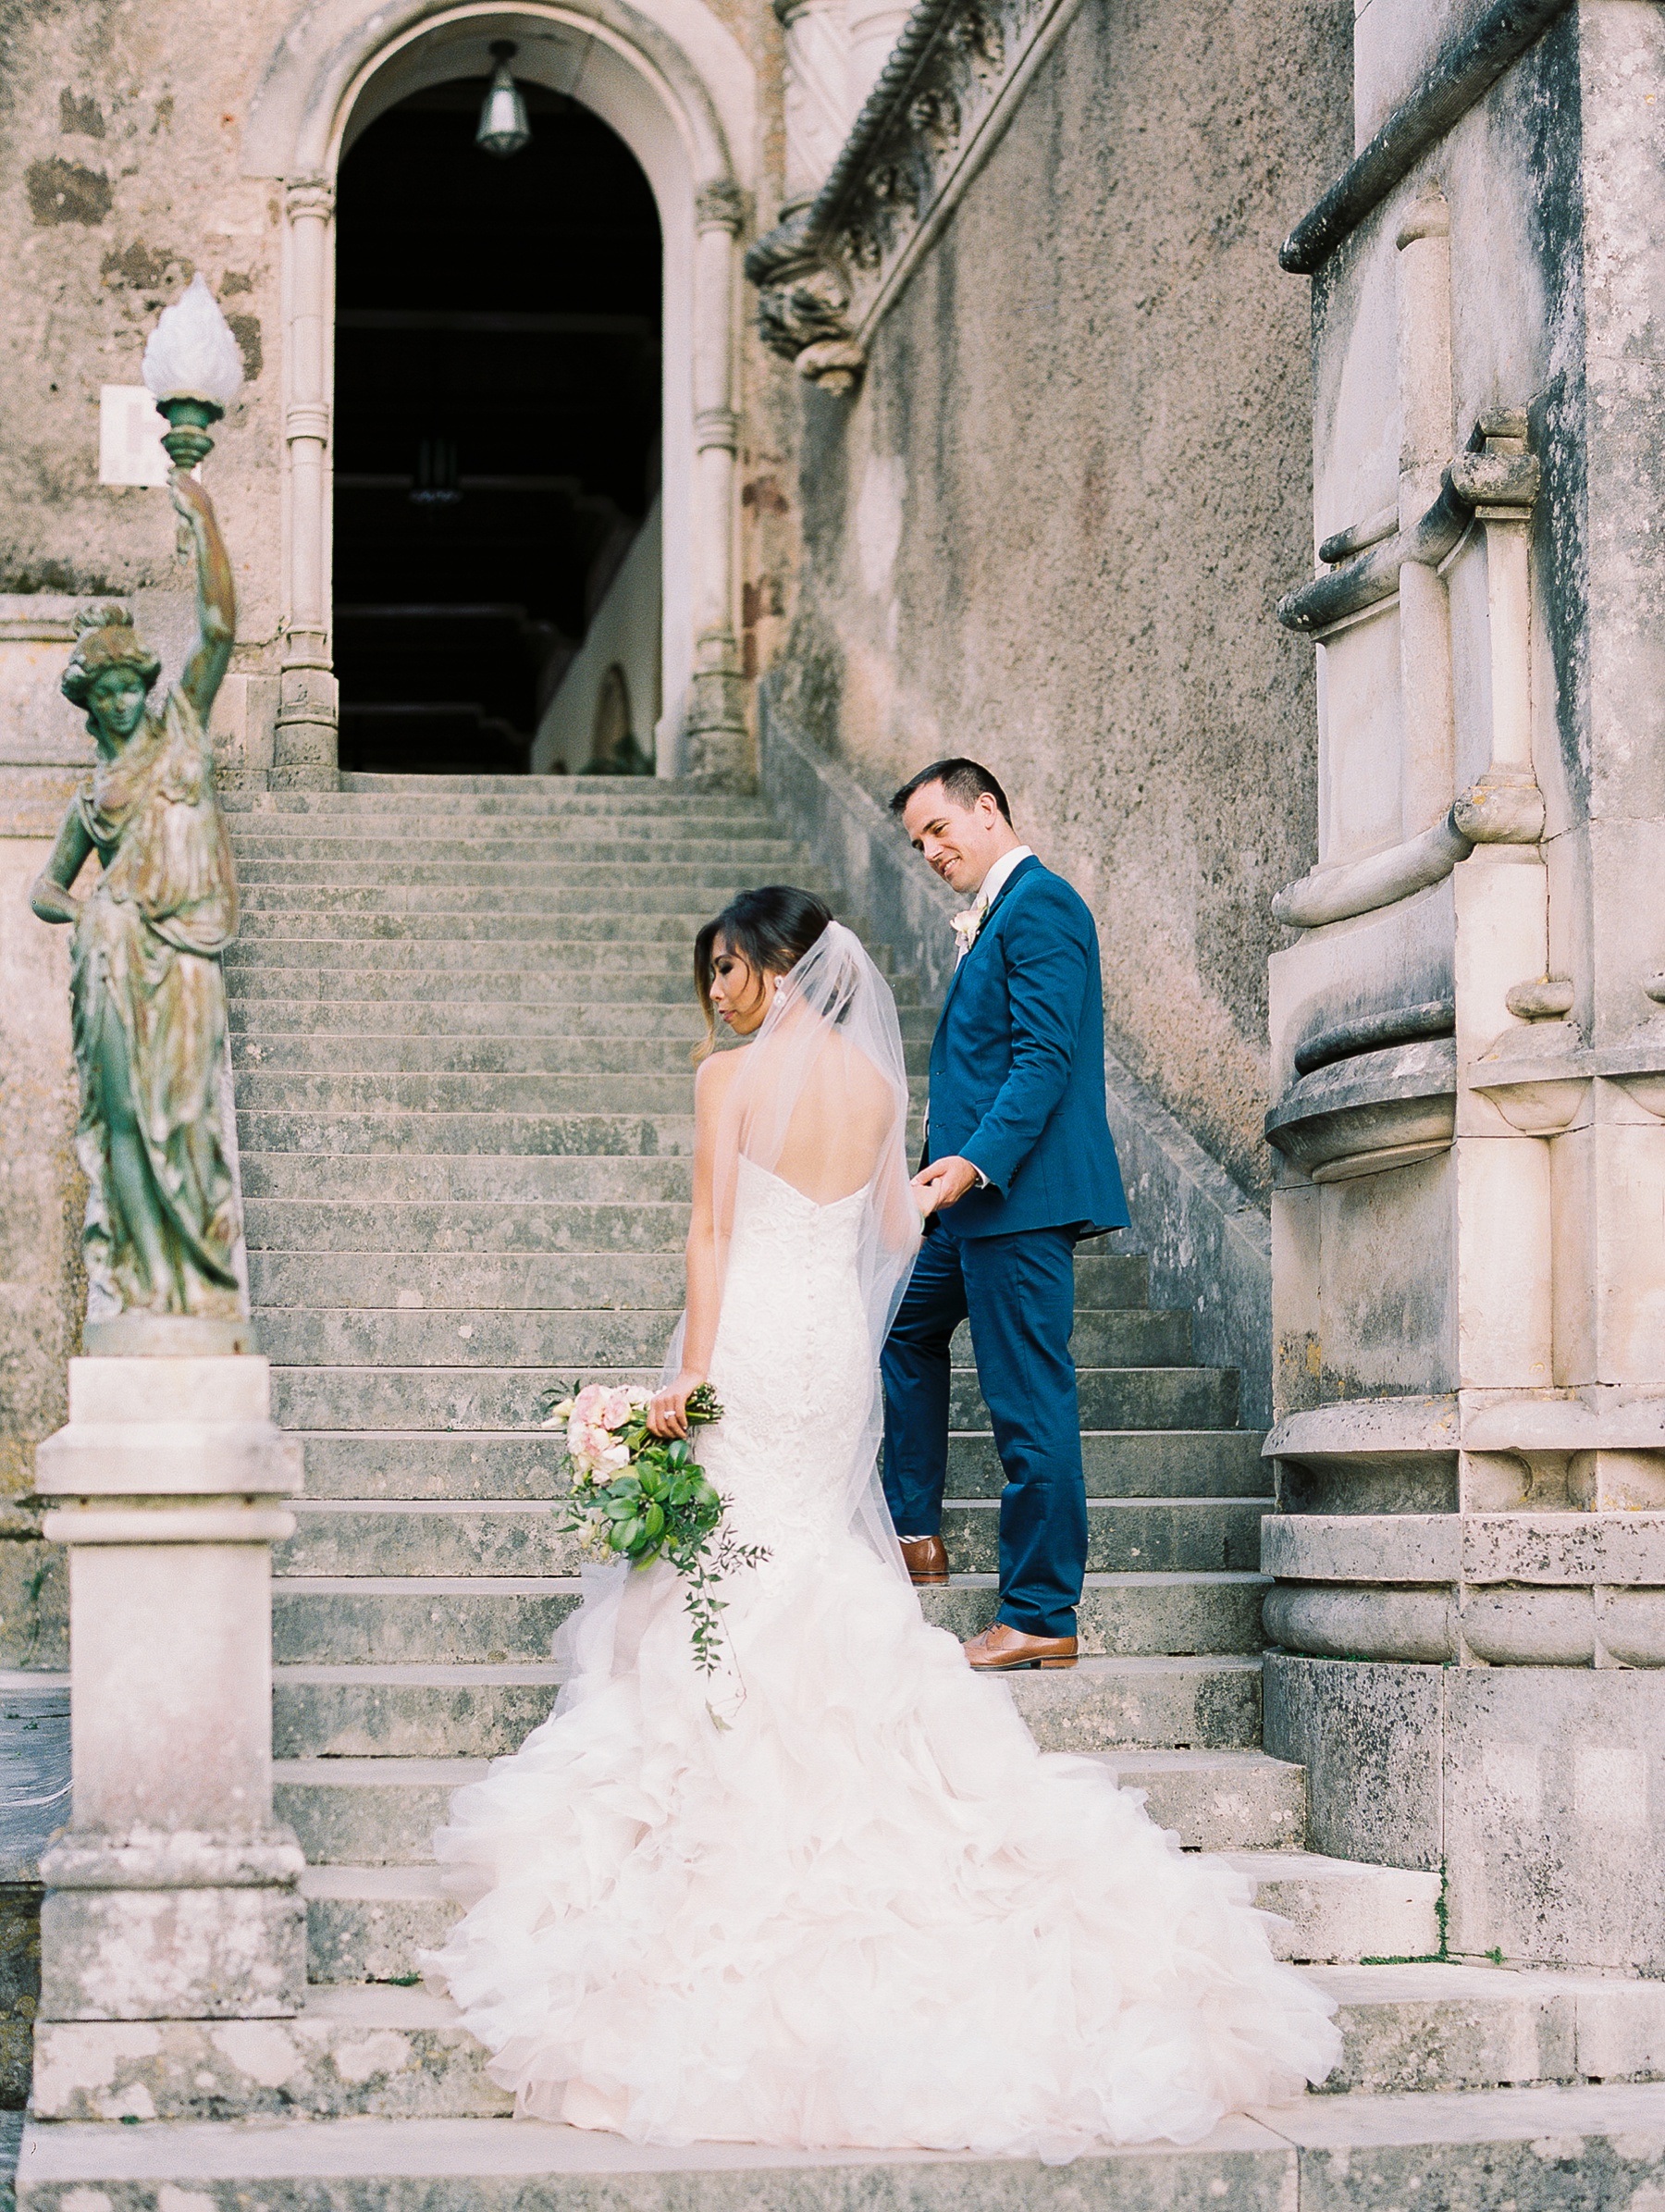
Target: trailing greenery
<point>642,1498</point>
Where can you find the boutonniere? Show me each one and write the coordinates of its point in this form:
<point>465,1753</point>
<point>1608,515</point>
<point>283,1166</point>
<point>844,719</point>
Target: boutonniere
<point>966,926</point>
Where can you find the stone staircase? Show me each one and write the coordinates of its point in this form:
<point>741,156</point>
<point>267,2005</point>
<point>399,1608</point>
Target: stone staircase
<point>462,1016</point>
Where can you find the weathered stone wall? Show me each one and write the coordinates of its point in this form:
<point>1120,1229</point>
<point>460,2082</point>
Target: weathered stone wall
<point>1049,528</point>
<point>118,150</point>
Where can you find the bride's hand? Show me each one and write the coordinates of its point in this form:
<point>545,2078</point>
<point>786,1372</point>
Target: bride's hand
<point>668,1415</point>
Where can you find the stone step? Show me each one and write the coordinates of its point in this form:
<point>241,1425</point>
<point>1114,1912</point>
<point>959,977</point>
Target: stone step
<point>297,1020</point>
<point>669,935</point>
<point>1342,1910</point>
<point>263,1021</point>
<point>465,1254</point>
<point>422,1620</point>
<point>392,865</point>
<point>564,1051</point>
<point>552,795</point>
<point>467,1617</point>
<point>1208,1703</point>
<point>562,846</point>
<point>384,1811</point>
<point>369,1811</point>
<point>566,1054</point>
<point>1430,2026</point>
<point>620,790</point>
<point>356,993</point>
<point>437,899</point>
<point>580,1337</point>
<point>366,1923</point>
<point>572,955</point>
<point>389,1464</point>
<point>515,794</point>
<point>468,1269</point>
<point>1176,1463</point>
<point>412,1710</point>
<point>450,795</point>
<point>1579,2149</point>
<point>1217,1800</point>
<point>372,1053</point>
<point>579,826</point>
<point>417,1131</point>
<point>386,1711</point>
<point>358,2052</point>
<point>500,1180</point>
<point>467,1397</point>
<point>1171,1612</point>
<point>430,1092</point>
<point>1128,1535</point>
<point>355,997</point>
<point>1208,1539</point>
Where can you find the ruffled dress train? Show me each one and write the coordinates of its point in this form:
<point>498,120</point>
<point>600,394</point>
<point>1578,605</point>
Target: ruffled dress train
<point>839,1898</point>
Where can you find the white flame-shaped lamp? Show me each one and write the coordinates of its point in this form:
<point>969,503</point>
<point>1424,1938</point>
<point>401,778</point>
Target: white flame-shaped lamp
<point>193,371</point>
<point>505,127</point>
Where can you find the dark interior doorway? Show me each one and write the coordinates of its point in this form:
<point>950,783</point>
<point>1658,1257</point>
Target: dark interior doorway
<point>497,420</point>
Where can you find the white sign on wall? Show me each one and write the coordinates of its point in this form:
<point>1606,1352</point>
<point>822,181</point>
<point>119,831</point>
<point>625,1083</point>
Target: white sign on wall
<point>129,436</point>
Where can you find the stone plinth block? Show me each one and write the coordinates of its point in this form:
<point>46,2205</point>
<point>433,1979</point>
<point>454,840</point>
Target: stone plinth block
<point>1540,1789</point>
<point>172,1953</point>
<point>173,1892</point>
<point>1364,1735</point>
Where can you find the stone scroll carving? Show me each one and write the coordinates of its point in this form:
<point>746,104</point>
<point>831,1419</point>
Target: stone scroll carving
<point>827,272</point>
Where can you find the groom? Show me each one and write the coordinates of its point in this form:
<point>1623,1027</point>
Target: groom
<point>1019,1166</point>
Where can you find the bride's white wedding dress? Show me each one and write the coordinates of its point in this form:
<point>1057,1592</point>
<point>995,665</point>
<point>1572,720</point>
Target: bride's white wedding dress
<point>867,1912</point>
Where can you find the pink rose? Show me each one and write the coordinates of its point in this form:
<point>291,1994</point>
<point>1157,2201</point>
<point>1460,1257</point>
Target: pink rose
<point>587,1442</point>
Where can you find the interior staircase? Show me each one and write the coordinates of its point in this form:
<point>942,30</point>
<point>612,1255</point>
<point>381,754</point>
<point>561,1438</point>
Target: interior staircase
<point>461,1019</point>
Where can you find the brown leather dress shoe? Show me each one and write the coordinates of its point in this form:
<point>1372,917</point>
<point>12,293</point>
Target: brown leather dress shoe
<point>1002,1648</point>
<point>925,1560</point>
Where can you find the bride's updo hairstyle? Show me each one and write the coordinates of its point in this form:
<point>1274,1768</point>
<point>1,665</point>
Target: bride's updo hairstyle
<point>772,930</point>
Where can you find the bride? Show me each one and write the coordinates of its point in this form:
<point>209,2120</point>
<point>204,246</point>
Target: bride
<point>839,1899</point>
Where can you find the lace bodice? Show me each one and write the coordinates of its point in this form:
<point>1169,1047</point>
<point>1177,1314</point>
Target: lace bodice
<point>791,1351</point>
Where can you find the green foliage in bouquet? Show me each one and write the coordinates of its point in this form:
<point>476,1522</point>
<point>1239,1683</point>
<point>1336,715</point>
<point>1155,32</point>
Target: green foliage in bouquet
<point>642,1498</point>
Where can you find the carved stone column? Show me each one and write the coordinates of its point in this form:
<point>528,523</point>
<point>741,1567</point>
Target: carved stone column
<point>817,110</point>
<point>1428,770</point>
<point>875,27</point>
<point>1468,1066</point>
<point>719,744</point>
<point>304,755</point>
<point>172,1894</point>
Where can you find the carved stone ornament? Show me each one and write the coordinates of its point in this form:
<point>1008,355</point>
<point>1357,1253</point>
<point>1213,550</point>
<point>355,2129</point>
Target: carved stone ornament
<point>826,274</point>
<point>719,206</point>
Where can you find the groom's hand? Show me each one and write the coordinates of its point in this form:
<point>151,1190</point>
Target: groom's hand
<point>944,1182</point>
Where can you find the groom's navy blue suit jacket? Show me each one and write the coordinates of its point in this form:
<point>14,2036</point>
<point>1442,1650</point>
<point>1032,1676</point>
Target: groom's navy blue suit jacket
<point>1018,1067</point>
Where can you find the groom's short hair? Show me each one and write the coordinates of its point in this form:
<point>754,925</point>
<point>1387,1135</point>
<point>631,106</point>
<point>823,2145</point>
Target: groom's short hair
<point>964,781</point>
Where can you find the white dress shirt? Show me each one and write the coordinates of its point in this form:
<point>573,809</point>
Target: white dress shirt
<point>989,890</point>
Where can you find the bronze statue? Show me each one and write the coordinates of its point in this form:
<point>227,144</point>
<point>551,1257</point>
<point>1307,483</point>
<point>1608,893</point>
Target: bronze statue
<point>147,990</point>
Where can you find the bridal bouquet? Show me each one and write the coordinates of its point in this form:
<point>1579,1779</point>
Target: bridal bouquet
<point>640,1497</point>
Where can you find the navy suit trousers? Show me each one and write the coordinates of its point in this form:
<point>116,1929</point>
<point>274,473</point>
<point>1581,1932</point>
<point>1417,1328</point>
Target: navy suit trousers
<point>1019,1293</point>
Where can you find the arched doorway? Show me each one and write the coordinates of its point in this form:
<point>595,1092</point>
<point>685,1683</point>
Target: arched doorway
<point>497,437</point>
<point>675,85</point>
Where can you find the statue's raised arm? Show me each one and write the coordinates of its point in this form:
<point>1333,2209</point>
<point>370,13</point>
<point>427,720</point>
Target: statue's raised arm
<point>216,602</point>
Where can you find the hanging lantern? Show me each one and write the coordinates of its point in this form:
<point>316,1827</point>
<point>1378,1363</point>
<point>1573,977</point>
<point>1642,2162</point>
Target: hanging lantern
<point>505,126</point>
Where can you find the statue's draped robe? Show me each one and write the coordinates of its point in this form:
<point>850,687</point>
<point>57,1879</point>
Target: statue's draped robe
<point>149,1001</point>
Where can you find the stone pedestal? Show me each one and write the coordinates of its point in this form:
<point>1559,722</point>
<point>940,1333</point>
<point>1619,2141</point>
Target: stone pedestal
<point>171,1895</point>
